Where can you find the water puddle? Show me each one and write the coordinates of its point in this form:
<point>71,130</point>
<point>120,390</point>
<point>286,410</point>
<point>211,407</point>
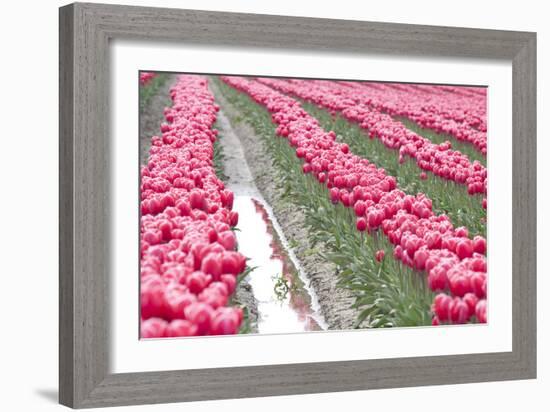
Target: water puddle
<point>286,303</point>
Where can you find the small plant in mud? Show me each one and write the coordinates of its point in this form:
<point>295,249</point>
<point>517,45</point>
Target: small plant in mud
<point>282,286</point>
<point>293,243</point>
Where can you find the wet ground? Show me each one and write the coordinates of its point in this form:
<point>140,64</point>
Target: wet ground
<point>284,299</point>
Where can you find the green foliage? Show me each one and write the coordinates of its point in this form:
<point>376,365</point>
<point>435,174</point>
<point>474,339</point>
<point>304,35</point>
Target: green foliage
<point>293,243</point>
<point>386,294</point>
<point>147,92</point>
<point>463,147</point>
<point>219,157</point>
<point>281,287</point>
<point>247,326</point>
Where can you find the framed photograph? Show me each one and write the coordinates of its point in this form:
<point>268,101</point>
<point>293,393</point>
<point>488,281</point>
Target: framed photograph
<point>256,205</point>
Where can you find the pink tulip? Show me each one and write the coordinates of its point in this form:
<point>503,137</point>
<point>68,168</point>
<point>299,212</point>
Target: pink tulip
<point>361,224</point>
<point>153,328</point>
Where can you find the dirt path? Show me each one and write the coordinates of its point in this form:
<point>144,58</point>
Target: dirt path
<point>335,302</point>
<point>273,314</point>
<point>239,177</point>
<point>152,116</point>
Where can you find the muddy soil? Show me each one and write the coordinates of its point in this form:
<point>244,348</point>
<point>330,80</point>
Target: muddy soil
<point>245,297</point>
<point>335,302</point>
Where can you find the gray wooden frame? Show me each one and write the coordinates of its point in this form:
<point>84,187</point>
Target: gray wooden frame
<point>85,31</point>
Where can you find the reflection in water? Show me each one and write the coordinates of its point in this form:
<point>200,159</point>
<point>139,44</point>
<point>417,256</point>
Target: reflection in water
<point>285,301</point>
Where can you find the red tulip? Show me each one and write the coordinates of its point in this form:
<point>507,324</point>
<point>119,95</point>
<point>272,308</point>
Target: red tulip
<point>181,327</point>
<point>197,200</point>
<point>232,262</point>
<point>334,195</point>
<point>225,322</point>
<point>212,265</point>
<point>459,285</point>
<point>153,328</point>
<point>230,281</point>
<point>361,224</point>
<point>420,258</point>
<point>458,311</point>
<point>152,237</point>
<point>480,245</point>
<point>373,219</point>
<point>184,207</point>
<point>481,311</point>
<point>152,300</point>
<point>441,306</point>
<point>471,300</point>
<point>213,297</point>
<point>220,287</point>
<point>437,279</point>
<point>464,248</point>
<point>146,77</point>
<point>478,284</point>
<point>196,282</point>
<point>461,232</point>
<point>233,218</point>
<point>200,314</point>
<point>228,240</point>
<point>359,208</point>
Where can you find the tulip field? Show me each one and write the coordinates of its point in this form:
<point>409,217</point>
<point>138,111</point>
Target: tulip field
<point>273,205</point>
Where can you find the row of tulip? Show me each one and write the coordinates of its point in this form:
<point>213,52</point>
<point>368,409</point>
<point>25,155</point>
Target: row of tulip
<point>146,77</point>
<point>439,159</point>
<point>423,126</point>
<point>473,92</point>
<point>464,118</point>
<point>450,100</point>
<point>422,240</point>
<point>189,263</point>
<point>462,208</point>
<point>442,90</point>
<point>469,91</point>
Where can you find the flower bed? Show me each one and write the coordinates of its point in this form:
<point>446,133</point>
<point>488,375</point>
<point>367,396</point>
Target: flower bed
<point>438,159</point>
<point>189,263</point>
<point>422,240</point>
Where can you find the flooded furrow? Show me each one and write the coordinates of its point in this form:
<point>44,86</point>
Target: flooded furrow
<point>285,300</point>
